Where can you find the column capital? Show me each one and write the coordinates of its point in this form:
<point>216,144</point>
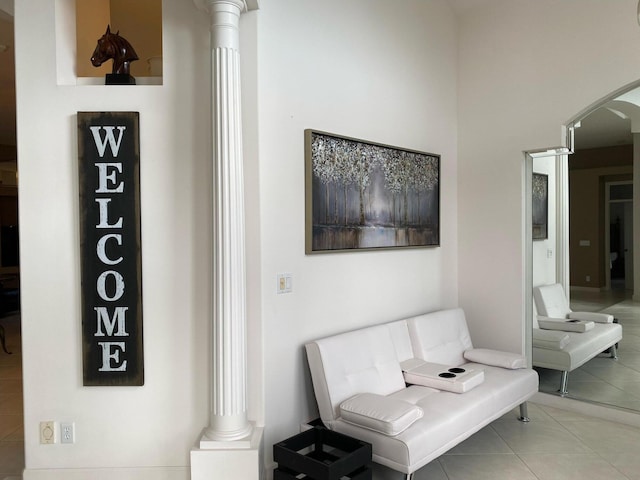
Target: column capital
<point>243,5</point>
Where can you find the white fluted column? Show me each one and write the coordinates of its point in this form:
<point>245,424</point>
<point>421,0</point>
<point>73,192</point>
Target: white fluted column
<point>228,418</point>
<point>230,446</point>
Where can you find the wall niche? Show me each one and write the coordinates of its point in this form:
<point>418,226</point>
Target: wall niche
<point>139,21</point>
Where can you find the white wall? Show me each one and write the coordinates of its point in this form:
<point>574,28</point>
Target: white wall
<point>369,69</point>
<point>365,69</point>
<point>145,432</point>
<point>526,68</point>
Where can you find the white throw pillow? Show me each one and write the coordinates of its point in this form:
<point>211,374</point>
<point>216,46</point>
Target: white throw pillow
<point>379,413</point>
<point>496,358</point>
<point>550,339</point>
<point>592,317</point>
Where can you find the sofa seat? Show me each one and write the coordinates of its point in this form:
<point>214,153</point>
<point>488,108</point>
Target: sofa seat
<point>449,418</point>
<point>581,348</point>
<point>572,349</point>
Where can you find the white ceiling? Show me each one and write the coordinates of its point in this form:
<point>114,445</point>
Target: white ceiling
<point>603,128</point>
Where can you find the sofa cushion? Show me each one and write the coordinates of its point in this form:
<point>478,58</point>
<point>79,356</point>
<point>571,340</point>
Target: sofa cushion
<point>551,301</point>
<point>496,358</point>
<point>380,413</point>
<point>581,347</point>
<point>440,337</point>
<point>350,363</point>
<point>448,417</point>
<point>401,341</point>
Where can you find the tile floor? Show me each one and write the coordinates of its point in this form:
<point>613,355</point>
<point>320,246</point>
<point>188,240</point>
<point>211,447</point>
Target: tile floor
<point>11,418</point>
<point>555,445</point>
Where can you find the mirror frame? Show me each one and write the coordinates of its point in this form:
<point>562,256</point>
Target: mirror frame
<point>561,240</point>
<point>562,212</point>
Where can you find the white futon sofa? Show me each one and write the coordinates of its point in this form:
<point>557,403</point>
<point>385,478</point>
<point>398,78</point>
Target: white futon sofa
<point>414,388</point>
<point>563,339</point>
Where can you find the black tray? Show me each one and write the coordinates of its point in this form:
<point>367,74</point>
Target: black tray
<point>322,454</point>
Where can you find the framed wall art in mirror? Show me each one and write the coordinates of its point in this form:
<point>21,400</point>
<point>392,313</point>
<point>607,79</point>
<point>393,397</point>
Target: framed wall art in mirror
<point>540,206</point>
<point>364,195</point>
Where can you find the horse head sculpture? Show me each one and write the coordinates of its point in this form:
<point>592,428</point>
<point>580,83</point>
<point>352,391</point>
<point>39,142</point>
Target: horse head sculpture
<point>113,46</point>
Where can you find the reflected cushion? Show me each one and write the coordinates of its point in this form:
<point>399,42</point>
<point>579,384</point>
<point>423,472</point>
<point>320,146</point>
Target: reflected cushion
<point>550,339</point>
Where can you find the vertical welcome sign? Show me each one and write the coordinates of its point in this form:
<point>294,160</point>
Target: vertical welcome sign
<point>111,264</point>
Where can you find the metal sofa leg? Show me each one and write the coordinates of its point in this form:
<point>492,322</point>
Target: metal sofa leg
<point>564,382</point>
<point>610,350</point>
<point>524,416</point>
<point>614,352</point>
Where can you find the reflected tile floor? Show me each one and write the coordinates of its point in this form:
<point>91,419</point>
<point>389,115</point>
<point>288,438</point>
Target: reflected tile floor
<point>11,416</point>
<point>555,445</point>
<point>603,379</point>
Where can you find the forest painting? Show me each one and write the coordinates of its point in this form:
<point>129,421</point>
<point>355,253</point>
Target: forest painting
<point>362,195</point>
<point>540,206</point>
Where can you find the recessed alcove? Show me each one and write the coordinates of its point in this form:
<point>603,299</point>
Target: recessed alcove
<point>79,25</point>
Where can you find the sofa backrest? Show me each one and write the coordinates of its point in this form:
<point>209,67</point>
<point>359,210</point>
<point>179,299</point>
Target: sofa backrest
<point>535,316</point>
<point>440,337</point>
<point>355,362</point>
<point>399,332</point>
<point>551,301</point>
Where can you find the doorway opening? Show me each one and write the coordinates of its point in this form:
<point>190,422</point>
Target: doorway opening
<point>619,236</point>
<point>11,427</point>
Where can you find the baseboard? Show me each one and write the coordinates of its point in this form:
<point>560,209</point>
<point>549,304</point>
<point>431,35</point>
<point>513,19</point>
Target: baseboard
<point>142,473</point>
<point>587,289</point>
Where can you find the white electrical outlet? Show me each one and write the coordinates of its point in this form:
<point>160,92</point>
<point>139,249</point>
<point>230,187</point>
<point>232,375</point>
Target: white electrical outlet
<point>47,432</point>
<point>67,433</point>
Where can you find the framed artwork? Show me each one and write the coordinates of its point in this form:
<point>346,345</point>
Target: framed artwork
<point>540,206</point>
<point>362,195</point>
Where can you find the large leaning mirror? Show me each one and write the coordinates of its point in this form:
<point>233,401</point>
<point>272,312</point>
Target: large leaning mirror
<point>585,209</point>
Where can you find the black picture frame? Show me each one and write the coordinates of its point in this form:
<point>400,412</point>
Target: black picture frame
<point>362,195</point>
<point>540,206</point>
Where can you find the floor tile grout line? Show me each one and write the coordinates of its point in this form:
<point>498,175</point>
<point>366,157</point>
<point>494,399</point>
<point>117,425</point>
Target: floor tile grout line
<point>442,468</point>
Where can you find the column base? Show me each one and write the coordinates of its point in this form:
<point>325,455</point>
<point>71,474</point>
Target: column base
<point>231,460</point>
<point>246,441</point>
<point>215,437</point>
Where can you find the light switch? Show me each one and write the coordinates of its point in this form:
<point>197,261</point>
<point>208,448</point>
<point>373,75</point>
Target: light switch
<point>284,283</point>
